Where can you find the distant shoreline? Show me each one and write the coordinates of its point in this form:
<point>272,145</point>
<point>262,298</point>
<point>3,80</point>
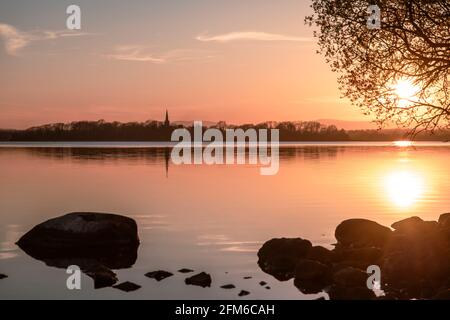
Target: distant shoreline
<point>156,131</point>
<point>168,144</point>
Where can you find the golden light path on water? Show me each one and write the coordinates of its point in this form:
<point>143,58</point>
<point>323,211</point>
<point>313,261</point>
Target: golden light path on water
<point>405,185</point>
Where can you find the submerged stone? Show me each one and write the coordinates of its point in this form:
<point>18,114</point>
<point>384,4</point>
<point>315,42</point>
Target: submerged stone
<point>159,275</point>
<point>243,293</point>
<point>185,270</point>
<point>202,280</point>
<point>102,276</point>
<point>127,286</point>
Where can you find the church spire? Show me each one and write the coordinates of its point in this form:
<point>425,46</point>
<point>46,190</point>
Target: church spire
<point>166,121</point>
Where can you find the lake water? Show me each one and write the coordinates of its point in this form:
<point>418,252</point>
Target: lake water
<point>203,217</point>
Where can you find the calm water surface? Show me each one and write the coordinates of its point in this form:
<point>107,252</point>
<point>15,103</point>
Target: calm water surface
<point>207,218</point>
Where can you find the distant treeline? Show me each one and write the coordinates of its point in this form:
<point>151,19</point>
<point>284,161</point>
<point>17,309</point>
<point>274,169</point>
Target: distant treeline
<point>157,131</point>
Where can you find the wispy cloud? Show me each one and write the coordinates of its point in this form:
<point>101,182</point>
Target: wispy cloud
<point>15,39</point>
<point>143,54</point>
<point>134,53</point>
<point>250,35</point>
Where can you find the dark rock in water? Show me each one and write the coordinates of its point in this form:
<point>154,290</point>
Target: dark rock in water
<point>411,222</point>
<point>102,276</point>
<point>444,220</point>
<point>311,276</point>
<point>108,239</point>
<point>202,280</point>
<point>362,233</point>
<point>243,293</point>
<point>228,286</point>
<point>96,242</point>
<point>81,230</point>
<point>414,259</point>
<point>3,276</point>
<point>321,254</point>
<point>262,283</point>
<point>247,278</point>
<point>350,277</point>
<point>415,225</point>
<point>127,286</point>
<point>337,292</point>
<point>278,257</point>
<point>158,275</point>
<point>185,270</point>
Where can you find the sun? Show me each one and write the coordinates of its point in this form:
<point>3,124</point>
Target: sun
<point>406,91</point>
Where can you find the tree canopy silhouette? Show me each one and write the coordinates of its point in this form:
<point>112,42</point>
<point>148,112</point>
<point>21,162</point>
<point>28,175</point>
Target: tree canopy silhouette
<point>410,49</point>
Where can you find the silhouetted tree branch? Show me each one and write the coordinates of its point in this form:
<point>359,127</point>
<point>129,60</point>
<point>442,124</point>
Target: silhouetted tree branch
<point>412,45</point>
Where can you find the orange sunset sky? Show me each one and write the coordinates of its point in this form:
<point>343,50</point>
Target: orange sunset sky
<point>234,60</point>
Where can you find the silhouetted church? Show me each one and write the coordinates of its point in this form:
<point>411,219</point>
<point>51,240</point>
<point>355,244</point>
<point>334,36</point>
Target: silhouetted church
<point>166,121</point>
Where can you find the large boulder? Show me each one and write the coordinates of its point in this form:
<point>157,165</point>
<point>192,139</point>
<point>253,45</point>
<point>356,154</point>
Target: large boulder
<point>82,230</point>
<point>279,257</point>
<point>96,242</point>
<point>361,233</point>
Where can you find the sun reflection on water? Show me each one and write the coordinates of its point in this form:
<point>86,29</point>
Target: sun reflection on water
<point>403,143</point>
<point>404,188</point>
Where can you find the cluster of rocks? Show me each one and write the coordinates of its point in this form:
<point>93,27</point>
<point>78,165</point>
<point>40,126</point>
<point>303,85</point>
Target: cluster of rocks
<point>413,256</point>
<point>98,243</point>
<point>201,279</point>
